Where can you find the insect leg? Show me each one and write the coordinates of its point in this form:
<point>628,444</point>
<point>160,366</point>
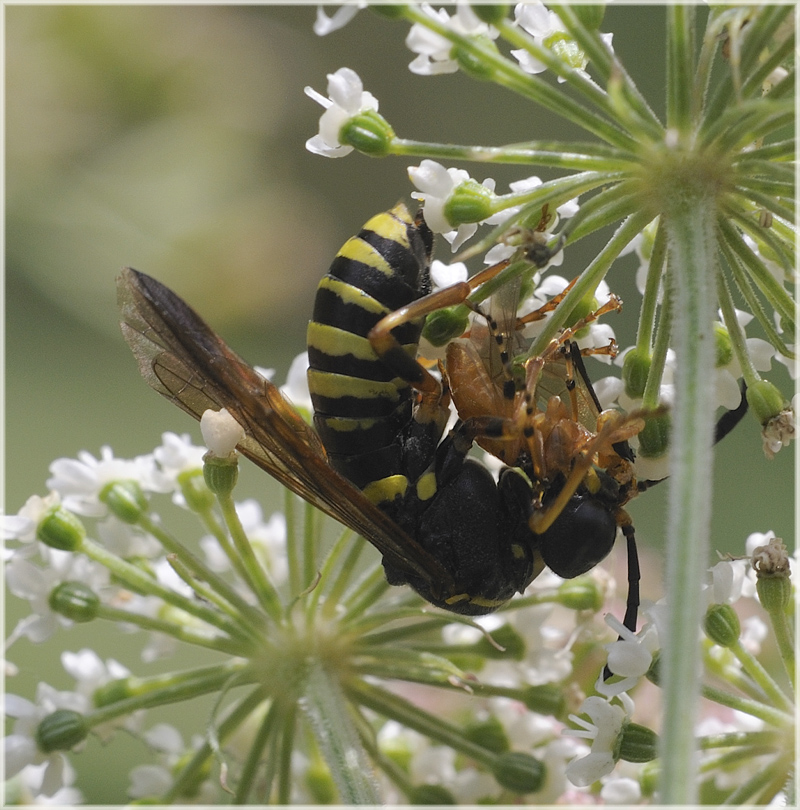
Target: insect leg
<point>392,353</point>
<point>634,576</point>
<point>616,428</point>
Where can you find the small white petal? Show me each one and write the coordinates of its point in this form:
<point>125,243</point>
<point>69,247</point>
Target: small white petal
<point>324,24</point>
<point>20,751</point>
<point>583,772</point>
<point>221,432</point>
<point>621,791</point>
<point>445,275</point>
<point>761,353</point>
<point>296,387</point>
<point>148,781</point>
<point>629,658</point>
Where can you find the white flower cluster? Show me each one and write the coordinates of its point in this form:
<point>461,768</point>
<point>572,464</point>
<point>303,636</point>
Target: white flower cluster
<point>34,570</point>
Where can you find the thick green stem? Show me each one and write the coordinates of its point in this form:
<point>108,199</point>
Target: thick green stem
<point>692,259</point>
<point>329,715</point>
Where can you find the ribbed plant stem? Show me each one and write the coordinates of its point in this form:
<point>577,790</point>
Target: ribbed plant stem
<point>692,259</point>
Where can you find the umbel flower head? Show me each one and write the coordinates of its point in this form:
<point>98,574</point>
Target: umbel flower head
<point>706,197</point>
<point>326,684</point>
<point>329,685</point>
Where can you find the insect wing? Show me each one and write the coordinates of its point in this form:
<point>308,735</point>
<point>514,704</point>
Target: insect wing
<point>183,359</point>
<point>581,401</point>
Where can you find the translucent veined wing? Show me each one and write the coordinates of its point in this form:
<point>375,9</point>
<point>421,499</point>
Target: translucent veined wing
<point>579,396</point>
<point>183,359</point>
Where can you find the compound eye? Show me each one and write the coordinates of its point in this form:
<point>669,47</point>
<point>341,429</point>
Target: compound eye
<point>580,537</point>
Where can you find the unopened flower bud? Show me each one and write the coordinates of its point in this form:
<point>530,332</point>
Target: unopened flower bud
<point>490,13</point>
<point>649,775</point>
<point>635,370</point>
<point>195,491</point>
<point>446,324</point>
<point>114,692</point>
<point>75,601</point>
<point>547,699</point>
<point>774,593</point>
<point>582,593</point>
<point>125,500</point>
<point>519,772</point>
<point>654,673</point>
<point>61,529</point>
<point>61,731</point>
<point>765,401</point>
<point>220,474</point>
<point>475,65</point>
<point>468,202</point>
<point>489,733</point>
<point>722,625</point>
<point>638,743</point>
<point>584,307</point>
<point>654,437</point>
<point>430,794</point>
<point>368,132</point>
<point>392,11</point>
<point>723,346</point>
<point>590,15</point>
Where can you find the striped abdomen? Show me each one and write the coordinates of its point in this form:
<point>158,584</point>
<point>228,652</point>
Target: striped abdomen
<point>360,407</point>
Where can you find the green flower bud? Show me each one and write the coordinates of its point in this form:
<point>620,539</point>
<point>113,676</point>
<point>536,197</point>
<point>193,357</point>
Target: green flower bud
<point>61,529</point>
<point>125,499</point>
<point>723,346</point>
<point>654,438</point>
<point>490,734</point>
<point>591,16</point>
<point>491,14</point>
<point>649,775</point>
<point>722,626</point>
<point>74,600</point>
<point>114,692</point>
<point>199,497</point>
<point>582,593</point>
<point>774,593</point>
<point>468,202</point>
<point>635,371</point>
<point>61,731</point>
<point>392,11</point>
<point>638,743</point>
<point>547,699</point>
<point>445,324</point>
<point>430,794</point>
<point>475,65</point>
<point>190,788</point>
<point>368,132</point>
<point>220,474</point>
<point>584,307</point>
<point>519,772</point>
<point>512,643</point>
<point>654,673</point>
<point>765,401</point>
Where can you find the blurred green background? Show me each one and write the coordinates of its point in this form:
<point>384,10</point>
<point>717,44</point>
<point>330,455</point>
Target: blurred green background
<point>172,139</point>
